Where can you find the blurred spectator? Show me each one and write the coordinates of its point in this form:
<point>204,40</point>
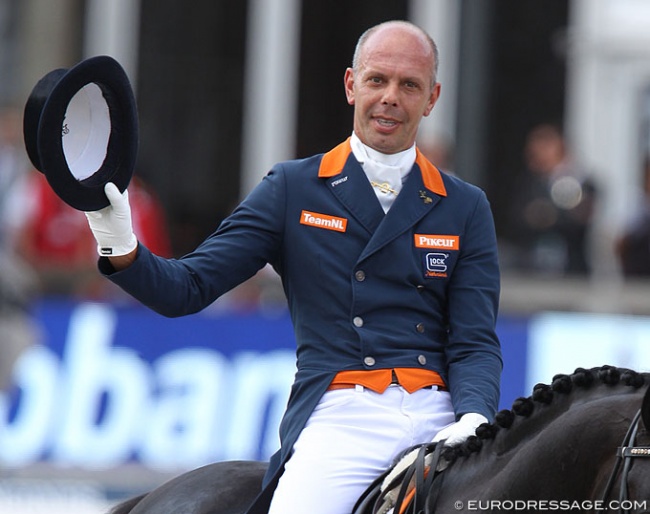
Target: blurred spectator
<point>633,248</point>
<point>17,281</point>
<point>14,172</point>
<point>553,207</point>
<point>55,241</point>
<point>439,150</point>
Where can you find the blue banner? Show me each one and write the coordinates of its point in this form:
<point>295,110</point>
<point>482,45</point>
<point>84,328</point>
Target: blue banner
<point>112,384</point>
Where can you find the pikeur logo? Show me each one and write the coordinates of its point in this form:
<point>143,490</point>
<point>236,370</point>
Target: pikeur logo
<point>437,242</point>
<point>314,219</point>
<point>339,181</point>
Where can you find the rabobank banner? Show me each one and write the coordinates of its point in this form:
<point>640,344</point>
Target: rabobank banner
<point>115,384</point>
<point>110,384</point>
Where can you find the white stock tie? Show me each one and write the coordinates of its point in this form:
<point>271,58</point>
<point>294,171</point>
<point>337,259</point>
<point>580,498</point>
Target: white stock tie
<point>386,173</point>
<point>386,181</point>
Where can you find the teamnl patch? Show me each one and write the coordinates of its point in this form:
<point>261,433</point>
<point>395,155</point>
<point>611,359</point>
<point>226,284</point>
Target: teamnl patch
<point>436,263</point>
<point>315,219</point>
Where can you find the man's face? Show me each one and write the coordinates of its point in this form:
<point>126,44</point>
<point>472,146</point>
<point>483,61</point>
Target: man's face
<point>391,90</point>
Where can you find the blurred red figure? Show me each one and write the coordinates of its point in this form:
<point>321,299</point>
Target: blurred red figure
<point>149,219</point>
<point>54,238</point>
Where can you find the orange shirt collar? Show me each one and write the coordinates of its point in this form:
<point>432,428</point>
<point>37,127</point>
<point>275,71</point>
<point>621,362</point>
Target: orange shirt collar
<point>333,162</point>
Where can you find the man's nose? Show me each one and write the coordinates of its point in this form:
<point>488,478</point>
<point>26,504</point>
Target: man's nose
<point>391,94</point>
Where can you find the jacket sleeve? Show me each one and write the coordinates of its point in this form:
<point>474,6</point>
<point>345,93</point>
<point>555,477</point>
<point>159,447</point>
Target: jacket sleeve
<point>246,241</point>
<point>473,354</point>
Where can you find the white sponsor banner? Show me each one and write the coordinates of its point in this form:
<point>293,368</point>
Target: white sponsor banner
<point>562,342</point>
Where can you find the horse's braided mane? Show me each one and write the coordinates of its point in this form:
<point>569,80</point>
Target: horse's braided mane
<point>544,394</point>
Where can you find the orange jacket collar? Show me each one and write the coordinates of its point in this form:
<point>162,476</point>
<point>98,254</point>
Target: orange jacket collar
<point>333,162</point>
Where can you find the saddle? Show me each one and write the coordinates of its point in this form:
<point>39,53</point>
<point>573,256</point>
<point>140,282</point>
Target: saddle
<point>406,487</point>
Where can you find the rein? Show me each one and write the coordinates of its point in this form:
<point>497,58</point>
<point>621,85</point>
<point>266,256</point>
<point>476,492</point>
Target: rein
<point>408,492</point>
<point>624,456</point>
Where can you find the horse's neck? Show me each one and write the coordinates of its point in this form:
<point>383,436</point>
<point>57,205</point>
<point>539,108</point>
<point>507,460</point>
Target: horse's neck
<point>564,446</point>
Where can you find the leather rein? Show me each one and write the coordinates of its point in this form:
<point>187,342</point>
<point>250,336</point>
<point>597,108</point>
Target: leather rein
<point>416,491</point>
<point>624,457</point>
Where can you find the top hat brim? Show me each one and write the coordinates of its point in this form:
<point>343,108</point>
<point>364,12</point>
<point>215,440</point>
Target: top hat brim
<point>81,131</point>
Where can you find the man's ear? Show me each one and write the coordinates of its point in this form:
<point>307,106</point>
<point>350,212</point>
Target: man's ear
<point>435,94</point>
<point>348,82</point>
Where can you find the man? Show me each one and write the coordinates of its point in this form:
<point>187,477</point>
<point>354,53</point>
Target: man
<point>553,207</point>
<point>391,275</point>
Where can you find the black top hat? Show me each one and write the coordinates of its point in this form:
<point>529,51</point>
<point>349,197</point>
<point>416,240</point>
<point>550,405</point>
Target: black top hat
<point>81,130</point>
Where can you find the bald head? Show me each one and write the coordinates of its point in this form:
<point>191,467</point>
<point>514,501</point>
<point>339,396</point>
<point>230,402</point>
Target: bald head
<point>407,28</point>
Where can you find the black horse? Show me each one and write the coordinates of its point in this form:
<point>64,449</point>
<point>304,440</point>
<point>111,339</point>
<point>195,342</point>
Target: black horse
<point>559,449</point>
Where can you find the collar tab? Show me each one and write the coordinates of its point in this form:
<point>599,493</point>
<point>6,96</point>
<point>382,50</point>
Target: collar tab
<point>334,161</point>
<point>431,176</point>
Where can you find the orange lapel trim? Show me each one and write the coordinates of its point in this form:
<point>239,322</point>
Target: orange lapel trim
<point>430,174</point>
<point>333,161</point>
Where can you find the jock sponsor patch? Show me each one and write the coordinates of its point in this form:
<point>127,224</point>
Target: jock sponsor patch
<point>436,263</point>
<point>315,219</point>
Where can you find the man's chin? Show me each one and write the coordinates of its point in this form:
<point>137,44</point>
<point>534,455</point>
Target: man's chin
<point>387,145</point>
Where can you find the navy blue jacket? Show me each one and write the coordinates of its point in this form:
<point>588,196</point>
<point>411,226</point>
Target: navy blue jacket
<point>416,287</point>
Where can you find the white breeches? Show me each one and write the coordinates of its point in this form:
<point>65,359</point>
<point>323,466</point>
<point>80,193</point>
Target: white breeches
<point>352,437</point>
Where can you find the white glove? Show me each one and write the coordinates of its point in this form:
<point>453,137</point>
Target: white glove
<point>112,226</point>
<point>458,432</point>
<point>453,434</point>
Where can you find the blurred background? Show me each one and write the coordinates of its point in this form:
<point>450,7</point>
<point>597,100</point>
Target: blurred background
<point>545,105</point>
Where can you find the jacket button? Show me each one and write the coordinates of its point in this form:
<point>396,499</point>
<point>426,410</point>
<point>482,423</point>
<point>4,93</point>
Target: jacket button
<point>422,359</point>
<point>420,328</point>
<point>358,321</point>
<point>369,361</point>
<point>360,276</point>
<point>420,288</point>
